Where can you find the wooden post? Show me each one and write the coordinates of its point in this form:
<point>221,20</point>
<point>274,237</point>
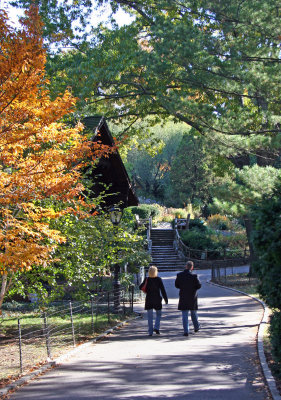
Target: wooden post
<point>72,324</point>
<point>92,315</point>
<point>20,347</point>
<point>187,221</point>
<point>46,332</point>
<point>108,306</point>
<point>132,288</point>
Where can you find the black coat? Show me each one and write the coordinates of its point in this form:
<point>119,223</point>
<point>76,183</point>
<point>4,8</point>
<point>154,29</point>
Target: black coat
<point>153,298</point>
<point>188,284</point>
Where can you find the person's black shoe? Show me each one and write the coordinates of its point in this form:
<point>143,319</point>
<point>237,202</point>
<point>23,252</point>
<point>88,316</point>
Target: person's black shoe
<point>156,331</point>
<point>185,334</point>
<point>150,334</point>
<point>198,329</point>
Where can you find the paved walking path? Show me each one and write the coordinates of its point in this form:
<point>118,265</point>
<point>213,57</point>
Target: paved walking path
<point>220,362</point>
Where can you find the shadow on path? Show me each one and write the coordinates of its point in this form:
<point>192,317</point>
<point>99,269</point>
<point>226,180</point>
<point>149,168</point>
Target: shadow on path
<point>219,362</point>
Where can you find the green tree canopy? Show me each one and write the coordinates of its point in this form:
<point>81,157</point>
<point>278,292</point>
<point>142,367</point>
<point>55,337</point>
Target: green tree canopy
<point>149,165</point>
<point>213,65</point>
<point>192,174</point>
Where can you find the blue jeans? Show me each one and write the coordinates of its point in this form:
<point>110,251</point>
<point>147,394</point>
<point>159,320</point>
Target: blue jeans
<point>194,318</point>
<point>150,320</point>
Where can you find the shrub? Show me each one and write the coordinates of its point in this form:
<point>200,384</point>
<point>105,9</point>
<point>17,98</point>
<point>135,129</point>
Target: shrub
<point>275,337</point>
<point>196,239</point>
<point>179,212</point>
<point>167,218</point>
<point>220,222</point>
<point>200,241</point>
<point>146,210</point>
<point>128,218</point>
<point>197,224</point>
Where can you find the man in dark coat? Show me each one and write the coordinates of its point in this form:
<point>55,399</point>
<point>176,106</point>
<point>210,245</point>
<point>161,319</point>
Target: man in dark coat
<point>188,284</point>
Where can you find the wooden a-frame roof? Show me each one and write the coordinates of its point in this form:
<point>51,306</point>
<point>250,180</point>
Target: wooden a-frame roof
<point>110,171</point>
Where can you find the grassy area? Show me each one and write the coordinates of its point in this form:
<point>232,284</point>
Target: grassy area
<point>34,342</point>
<point>240,282</point>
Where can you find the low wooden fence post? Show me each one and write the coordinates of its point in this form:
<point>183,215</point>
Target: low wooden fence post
<point>20,346</point>
<point>108,306</point>
<point>133,289</point>
<point>46,333</point>
<point>92,315</point>
<point>72,324</point>
<point>124,307</point>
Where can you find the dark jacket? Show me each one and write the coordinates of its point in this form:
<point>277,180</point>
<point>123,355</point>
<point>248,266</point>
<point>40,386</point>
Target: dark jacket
<point>153,298</point>
<point>188,284</point>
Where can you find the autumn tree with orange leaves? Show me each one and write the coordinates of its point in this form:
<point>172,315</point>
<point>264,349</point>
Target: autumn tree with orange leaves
<point>40,157</point>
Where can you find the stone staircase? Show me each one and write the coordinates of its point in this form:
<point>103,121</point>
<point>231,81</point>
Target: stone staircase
<point>163,254</point>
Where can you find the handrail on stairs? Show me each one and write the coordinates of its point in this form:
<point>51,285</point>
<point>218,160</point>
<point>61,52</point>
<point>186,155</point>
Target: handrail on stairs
<point>149,241</point>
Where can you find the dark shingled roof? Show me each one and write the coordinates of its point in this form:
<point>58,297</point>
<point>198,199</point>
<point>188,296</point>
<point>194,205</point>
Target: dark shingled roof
<point>110,170</point>
<point>93,123</point>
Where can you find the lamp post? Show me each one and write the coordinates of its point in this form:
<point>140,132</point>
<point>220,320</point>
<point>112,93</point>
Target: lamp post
<point>115,217</point>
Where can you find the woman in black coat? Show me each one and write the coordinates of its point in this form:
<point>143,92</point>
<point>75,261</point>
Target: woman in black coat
<point>153,300</point>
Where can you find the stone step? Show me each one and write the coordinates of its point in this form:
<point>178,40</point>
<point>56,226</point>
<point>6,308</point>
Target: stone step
<point>165,247</point>
<point>168,262</point>
<point>168,251</point>
<point>162,244</point>
<point>170,269</point>
<point>161,234</point>
<point>165,256</point>
<point>170,246</point>
<point>163,253</point>
<point>169,265</point>
<point>152,237</point>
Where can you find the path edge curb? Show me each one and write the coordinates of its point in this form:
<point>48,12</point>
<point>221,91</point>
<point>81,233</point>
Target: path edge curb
<point>265,368</point>
<point>52,363</point>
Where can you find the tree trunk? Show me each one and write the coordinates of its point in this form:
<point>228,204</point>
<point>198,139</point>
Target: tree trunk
<point>3,288</point>
<point>249,230</point>
<point>187,222</point>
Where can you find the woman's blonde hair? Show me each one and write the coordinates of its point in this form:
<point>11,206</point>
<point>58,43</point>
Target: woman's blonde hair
<point>153,271</point>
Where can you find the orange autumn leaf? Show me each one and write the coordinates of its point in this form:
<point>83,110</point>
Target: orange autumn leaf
<point>40,157</point>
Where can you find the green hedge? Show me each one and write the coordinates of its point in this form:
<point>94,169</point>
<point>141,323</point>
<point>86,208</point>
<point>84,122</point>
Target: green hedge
<point>196,239</point>
<point>198,224</point>
<point>146,210</point>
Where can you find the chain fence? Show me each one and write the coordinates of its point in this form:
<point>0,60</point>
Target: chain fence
<point>31,339</point>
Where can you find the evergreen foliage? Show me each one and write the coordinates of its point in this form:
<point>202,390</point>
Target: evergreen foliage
<point>267,241</point>
<point>199,240</point>
<point>191,174</point>
<point>144,211</point>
